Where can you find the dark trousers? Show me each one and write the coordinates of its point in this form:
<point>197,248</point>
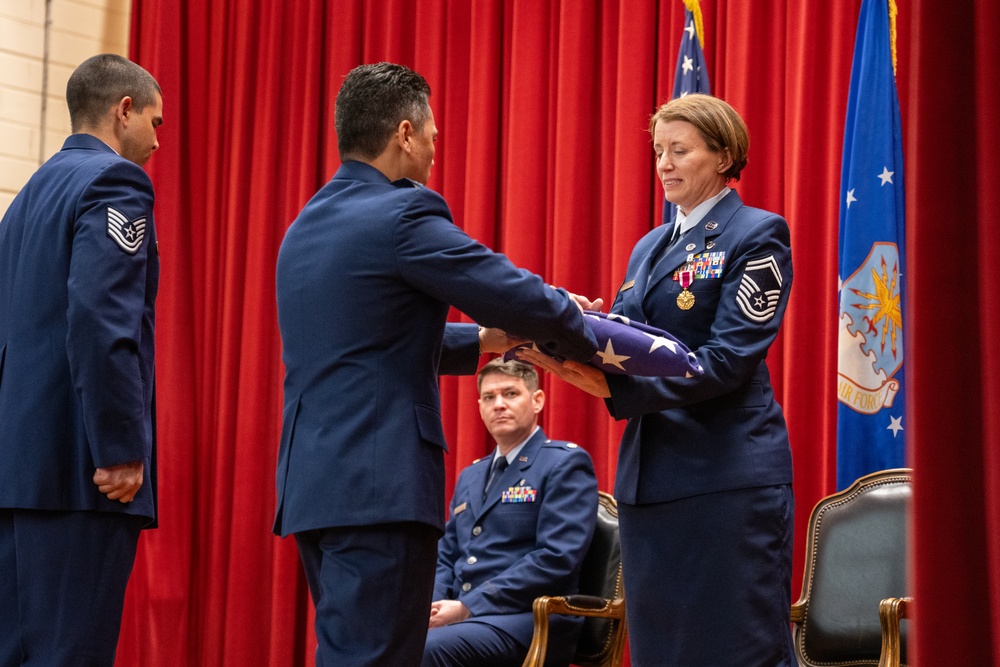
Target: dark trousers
<point>472,643</point>
<point>372,588</point>
<point>62,585</point>
<point>708,579</point>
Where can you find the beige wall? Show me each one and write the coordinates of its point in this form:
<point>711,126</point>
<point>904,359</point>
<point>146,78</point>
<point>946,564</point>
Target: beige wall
<point>77,30</point>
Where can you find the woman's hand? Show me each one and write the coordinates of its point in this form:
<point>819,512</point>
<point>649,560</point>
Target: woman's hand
<point>582,376</point>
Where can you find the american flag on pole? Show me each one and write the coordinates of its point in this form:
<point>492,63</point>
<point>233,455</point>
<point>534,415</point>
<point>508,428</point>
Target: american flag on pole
<point>870,388</point>
<point>691,75</point>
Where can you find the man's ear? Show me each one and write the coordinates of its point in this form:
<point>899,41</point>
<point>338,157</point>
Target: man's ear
<point>404,134</point>
<point>538,400</point>
<point>123,109</point>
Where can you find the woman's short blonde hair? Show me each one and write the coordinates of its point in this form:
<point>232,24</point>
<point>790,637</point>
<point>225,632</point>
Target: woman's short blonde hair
<point>717,122</point>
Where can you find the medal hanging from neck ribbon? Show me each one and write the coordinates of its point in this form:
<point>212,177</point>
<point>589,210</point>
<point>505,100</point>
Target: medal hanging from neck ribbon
<point>685,300</point>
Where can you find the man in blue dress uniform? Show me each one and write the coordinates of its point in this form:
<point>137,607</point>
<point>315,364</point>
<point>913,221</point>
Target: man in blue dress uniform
<point>365,277</point>
<point>514,534</point>
<point>78,278</point>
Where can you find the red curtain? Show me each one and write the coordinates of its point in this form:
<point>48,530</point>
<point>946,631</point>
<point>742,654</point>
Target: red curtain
<point>954,324</point>
<point>544,155</point>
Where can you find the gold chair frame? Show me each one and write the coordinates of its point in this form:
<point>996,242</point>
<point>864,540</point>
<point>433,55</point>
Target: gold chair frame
<point>889,611</point>
<point>613,650</point>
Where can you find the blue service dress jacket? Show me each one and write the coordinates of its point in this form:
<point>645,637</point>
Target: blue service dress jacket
<point>78,281</point>
<point>722,430</point>
<point>365,277</point>
<point>528,538</point>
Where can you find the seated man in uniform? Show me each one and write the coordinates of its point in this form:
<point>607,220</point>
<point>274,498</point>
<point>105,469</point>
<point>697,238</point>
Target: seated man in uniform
<point>521,521</point>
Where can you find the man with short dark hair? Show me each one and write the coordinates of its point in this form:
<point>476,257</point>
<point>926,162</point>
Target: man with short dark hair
<point>365,277</point>
<point>78,280</point>
<point>521,522</point>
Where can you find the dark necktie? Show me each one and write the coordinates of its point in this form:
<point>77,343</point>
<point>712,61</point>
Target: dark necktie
<point>499,466</point>
<point>674,240</point>
<point>675,235</point>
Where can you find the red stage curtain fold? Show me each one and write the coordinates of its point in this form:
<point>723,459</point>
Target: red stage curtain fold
<point>954,324</point>
<point>544,155</point>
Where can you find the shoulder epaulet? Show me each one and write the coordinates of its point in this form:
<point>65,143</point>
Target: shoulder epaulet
<point>560,444</point>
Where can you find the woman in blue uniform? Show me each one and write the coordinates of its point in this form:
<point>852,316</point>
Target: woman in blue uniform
<point>704,468</point>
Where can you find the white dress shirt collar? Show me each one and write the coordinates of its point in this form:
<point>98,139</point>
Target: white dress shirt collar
<point>686,222</point>
<point>512,454</point>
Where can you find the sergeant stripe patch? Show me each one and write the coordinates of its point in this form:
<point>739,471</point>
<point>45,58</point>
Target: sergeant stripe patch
<point>760,289</point>
<point>128,234</point>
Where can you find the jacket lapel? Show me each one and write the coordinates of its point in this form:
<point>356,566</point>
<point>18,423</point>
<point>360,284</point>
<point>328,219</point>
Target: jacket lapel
<point>695,241</point>
<point>477,482</point>
<point>631,293</point>
<point>515,472</point>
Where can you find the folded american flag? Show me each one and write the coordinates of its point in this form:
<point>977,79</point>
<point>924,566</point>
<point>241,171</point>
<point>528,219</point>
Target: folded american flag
<point>632,348</point>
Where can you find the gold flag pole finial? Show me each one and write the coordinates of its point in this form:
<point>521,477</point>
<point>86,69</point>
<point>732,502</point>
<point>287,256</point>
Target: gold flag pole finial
<point>699,26</point>
<point>893,10</point>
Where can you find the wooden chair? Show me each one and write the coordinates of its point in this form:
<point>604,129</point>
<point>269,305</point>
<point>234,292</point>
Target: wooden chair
<point>890,611</point>
<point>855,564</point>
<point>601,600</point>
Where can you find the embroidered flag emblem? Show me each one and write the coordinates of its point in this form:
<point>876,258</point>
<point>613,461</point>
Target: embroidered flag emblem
<point>760,289</point>
<point>128,234</point>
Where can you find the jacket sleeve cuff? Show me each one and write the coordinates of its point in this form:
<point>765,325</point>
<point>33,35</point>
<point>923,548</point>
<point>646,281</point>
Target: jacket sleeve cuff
<point>459,349</point>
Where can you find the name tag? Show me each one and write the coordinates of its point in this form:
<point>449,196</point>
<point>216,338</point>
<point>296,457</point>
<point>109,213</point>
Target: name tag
<point>461,508</point>
<point>629,285</point>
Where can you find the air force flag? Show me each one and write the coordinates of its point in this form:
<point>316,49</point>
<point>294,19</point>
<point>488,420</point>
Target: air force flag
<point>870,428</point>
